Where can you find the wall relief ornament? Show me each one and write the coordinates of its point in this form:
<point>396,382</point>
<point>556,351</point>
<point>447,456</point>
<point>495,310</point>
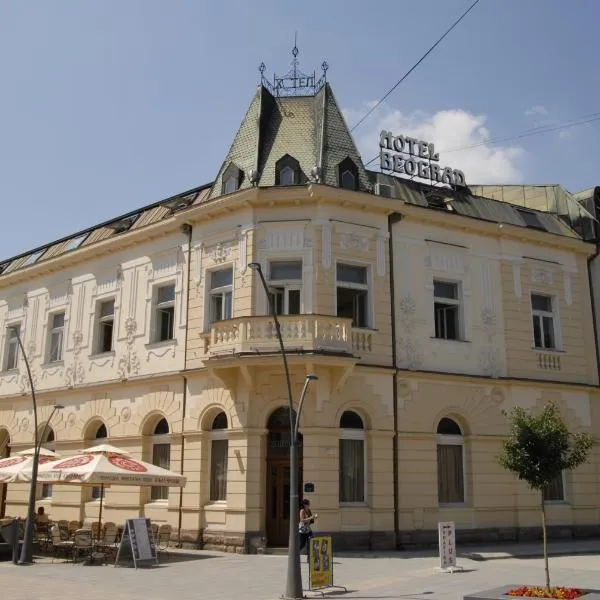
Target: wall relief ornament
<point>125,414</point>
<point>129,363</point>
<point>489,359</point>
<point>351,241</point>
<point>220,252</point>
<point>409,355</point>
<point>75,373</point>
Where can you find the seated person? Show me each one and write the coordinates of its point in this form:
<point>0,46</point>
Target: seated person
<point>41,519</point>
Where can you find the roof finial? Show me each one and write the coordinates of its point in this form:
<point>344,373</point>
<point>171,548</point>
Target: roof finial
<point>295,50</point>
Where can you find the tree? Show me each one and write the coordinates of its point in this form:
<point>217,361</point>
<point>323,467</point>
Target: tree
<point>538,449</point>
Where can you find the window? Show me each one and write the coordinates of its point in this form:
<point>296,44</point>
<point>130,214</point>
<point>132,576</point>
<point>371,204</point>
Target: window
<point>285,278</point>
<point>348,180</point>
<point>106,322</point>
<point>555,491</point>
<point>57,336</point>
<point>12,347</point>
<point>353,294</point>
<point>450,463</point>
<point>232,179</point>
<point>230,185</point>
<point>99,438</point>
<point>544,333</point>
<point>352,459</point>
<point>221,296</point>
<point>287,171</point>
<point>161,457</point>
<point>165,313</point>
<point>47,443</point>
<point>446,307</point>
<point>219,449</point>
<point>531,219</point>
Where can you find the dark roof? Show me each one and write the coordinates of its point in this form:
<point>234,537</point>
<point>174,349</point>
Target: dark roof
<point>310,129</point>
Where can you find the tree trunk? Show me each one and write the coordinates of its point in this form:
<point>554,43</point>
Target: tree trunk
<point>545,542</point>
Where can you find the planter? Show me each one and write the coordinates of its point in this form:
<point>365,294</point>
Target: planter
<point>502,593</point>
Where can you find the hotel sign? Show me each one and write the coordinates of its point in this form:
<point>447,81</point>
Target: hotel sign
<point>415,158</point>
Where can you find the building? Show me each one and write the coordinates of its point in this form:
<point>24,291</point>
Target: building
<point>425,311</point>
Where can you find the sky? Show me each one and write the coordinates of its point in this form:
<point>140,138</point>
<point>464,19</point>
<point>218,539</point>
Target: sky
<point>106,106</point>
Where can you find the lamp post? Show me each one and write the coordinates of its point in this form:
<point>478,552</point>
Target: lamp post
<point>293,588</point>
<point>27,549</point>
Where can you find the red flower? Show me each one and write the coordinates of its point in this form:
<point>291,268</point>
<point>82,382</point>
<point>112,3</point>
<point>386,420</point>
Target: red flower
<point>558,593</point>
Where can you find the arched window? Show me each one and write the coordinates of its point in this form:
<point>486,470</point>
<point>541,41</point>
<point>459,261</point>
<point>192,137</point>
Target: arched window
<point>450,462</point>
<point>348,174</point>
<point>219,448</point>
<point>287,171</point>
<point>161,456</point>
<point>352,459</point>
<point>99,438</point>
<point>48,443</point>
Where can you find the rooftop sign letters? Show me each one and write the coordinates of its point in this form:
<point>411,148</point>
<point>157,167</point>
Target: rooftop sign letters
<point>415,158</point>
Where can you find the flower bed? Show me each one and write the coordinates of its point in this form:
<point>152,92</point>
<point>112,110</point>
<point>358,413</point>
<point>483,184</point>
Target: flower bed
<point>532,591</point>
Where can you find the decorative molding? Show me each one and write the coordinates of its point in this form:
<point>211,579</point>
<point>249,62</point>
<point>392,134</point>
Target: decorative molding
<point>129,363</point>
<point>542,275</point>
<point>161,351</point>
<point>382,239</point>
<point>243,249</point>
<point>444,257</point>
<point>409,355</point>
<point>489,359</point>
<point>487,286</point>
<point>279,238</point>
<point>517,280</point>
<point>198,250</point>
<point>75,373</point>
<point>221,251</point>
<point>568,288</point>
<point>326,245</point>
<point>352,241</point>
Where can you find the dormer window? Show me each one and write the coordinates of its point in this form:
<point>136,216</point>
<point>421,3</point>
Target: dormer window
<point>287,171</point>
<point>348,174</point>
<point>232,179</point>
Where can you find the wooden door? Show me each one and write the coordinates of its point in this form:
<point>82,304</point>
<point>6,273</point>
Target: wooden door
<point>278,504</point>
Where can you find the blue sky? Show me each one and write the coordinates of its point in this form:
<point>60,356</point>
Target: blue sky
<point>107,105</point>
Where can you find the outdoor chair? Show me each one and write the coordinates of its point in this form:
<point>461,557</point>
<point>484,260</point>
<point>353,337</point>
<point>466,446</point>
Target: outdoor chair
<point>73,527</point>
<point>154,527</point>
<point>108,543</point>
<point>95,527</point>
<point>164,538</point>
<point>82,542</point>
<point>60,546</point>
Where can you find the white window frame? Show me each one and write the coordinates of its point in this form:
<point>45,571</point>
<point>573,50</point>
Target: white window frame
<point>357,286</point>
<point>156,309</point>
<point>356,434</point>
<point>100,320</point>
<point>157,440</point>
<point>453,440</point>
<point>10,341</point>
<point>219,291</point>
<point>56,330</point>
<point>217,434</point>
<point>458,302</point>
<point>564,491</point>
<point>541,313</point>
<point>288,285</point>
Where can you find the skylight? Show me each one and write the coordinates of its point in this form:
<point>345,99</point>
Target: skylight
<point>74,243</point>
<point>531,219</point>
<point>32,258</point>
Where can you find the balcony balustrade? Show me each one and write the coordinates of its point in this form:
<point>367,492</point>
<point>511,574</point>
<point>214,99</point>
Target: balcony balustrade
<point>299,332</point>
<point>548,361</point>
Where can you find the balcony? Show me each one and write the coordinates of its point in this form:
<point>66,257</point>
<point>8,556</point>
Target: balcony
<point>548,361</point>
<point>307,333</point>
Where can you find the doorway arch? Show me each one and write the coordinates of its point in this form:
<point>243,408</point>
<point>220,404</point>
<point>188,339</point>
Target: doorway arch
<point>278,476</point>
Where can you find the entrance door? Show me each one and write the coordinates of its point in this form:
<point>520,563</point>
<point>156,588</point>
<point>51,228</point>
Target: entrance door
<point>278,479</point>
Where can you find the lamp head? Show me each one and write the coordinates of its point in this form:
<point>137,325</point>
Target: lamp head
<point>58,407</point>
<point>312,377</point>
<point>255,266</point>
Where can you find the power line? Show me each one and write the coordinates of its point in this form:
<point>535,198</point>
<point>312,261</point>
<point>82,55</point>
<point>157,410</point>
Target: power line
<point>366,115</point>
<point>584,120</point>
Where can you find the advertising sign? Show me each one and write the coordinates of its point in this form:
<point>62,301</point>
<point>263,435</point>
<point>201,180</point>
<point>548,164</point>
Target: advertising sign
<point>321,562</point>
<point>447,542</point>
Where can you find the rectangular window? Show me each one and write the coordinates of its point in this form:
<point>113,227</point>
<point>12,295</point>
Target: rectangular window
<point>352,470</point>
<point>555,491</point>
<point>218,470</point>
<point>57,337</point>
<point>353,294</point>
<point>446,309</point>
<point>221,295</point>
<point>12,347</point>
<point>165,313</point>
<point>161,457</point>
<point>451,477</point>
<point>46,491</point>
<point>285,278</point>
<point>544,332</point>
<point>106,322</point>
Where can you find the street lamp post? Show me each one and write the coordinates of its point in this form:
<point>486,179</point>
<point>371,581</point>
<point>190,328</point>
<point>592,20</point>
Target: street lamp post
<point>27,549</point>
<point>293,588</point>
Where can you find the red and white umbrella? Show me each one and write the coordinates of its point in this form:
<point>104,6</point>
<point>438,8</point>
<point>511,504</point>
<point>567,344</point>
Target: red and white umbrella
<point>105,465</point>
<point>14,468</point>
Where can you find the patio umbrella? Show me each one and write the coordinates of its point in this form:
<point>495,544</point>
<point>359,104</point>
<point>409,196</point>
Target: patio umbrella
<point>13,468</point>
<point>106,465</point>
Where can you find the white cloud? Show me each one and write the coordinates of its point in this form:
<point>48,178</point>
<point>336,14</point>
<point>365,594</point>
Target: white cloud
<point>460,137</point>
<point>536,111</point>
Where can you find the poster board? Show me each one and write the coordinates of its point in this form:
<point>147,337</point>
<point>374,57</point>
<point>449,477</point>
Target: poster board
<point>447,545</point>
<point>321,562</point>
<point>137,543</point>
